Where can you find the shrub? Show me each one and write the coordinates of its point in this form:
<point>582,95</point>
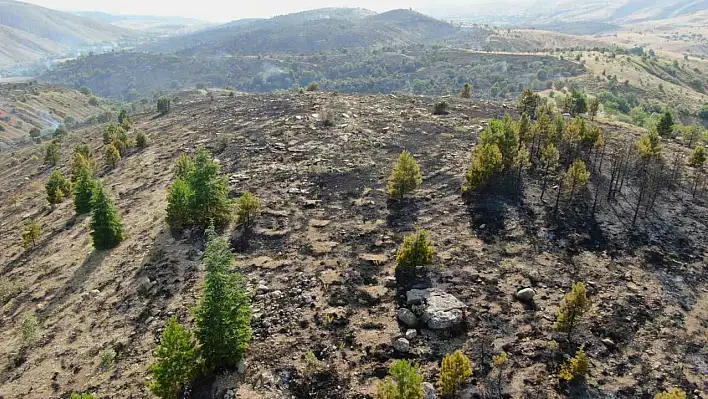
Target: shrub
<point>31,233</point>
<point>328,117</point>
<point>112,156</point>
<point>94,101</point>
<point>466,91</point>
<point>440,108</point>
<point>575,305</point>
<point>183,166</point>
<point>486,162</point>
<point>35,132</point>
<point>455,370</point>
<point>417,251</point>
<point>665,128</point>
<point>703,114</point>
<point>58,187</point>
<point>178,197</point>
<point>674,393</point>
<point>85,90</point>
<point>13,200</point>
<point>177,361</point>
<point>83,191</point>
<point>83,156</point>
<point>122,142</point>
<point>52,154</point>
<point>83,396</point>
<point>314,86</point>
<point>224,314</point>
<point>106,225</point>
<point>164,105</point>
<point>404,382</point>
<point>109,135</point>
<point>249,206</point>
<point>108,358</point>
<point>576,367</point>
<point>141,140</point>
<point>30,330</point>
<point>406,176</point>
<point>698,157</point>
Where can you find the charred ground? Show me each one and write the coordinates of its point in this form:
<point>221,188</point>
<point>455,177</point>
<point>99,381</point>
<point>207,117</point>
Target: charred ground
<point>324,245</point>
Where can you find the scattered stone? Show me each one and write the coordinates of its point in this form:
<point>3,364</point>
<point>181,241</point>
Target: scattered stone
<point>319,223</point>
<point>402,345</point>
<point>525,295</point>
<point>241,367</point>
<point>143,285</point>
<point>374,259</point>
<point>411,333</point>
<point>428,390</point>
<point>440,310</point>
<point>390,282</point>
<point>610,344</point>
<point>407,317</point>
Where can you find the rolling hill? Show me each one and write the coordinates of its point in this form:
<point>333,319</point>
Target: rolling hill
<point>29,32</point>
<point>316,30</point>
<point>27,105</point>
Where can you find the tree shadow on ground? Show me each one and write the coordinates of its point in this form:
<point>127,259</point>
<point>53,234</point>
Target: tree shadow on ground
<point>76,283</point>
<point>490,209</point>
<point>402,212</point>
<point>158,279</point>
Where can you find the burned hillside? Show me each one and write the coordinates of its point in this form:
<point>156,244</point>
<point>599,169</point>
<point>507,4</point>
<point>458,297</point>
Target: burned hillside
<point>320,262</point>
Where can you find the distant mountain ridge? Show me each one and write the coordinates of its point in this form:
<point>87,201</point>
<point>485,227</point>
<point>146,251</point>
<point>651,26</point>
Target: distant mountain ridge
<point>29,32</point>
<point>315,30</point>
<point>541,12</point>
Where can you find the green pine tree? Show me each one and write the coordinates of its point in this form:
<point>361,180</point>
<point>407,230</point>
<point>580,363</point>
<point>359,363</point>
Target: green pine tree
<point>178,198</point>
<point>106,225</point>
<point>665,128</point>
<point>223,318</point>
<point>405,177</point>
<point>52,154</point>
<point>404,382</point>
<point>210,200</point>
<point>58,187</point>
<point>417,251</point>
<point>177,361</point>
<point>84,189</point>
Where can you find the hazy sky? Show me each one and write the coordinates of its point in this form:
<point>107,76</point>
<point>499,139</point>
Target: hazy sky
<point>227,10</point>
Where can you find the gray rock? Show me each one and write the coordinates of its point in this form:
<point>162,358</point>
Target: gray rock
<point>411,333</point>
<point>416,297</point>
<point>402,345</point>
<point>428,390</point>
<point>526,294</point>
<point>390,282</point>
<point>143,285</point>
<point>610,344</point>
<point>241,367</point>
<point>407,317</point>
<point>443,320</point>
<point>440,310</point>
